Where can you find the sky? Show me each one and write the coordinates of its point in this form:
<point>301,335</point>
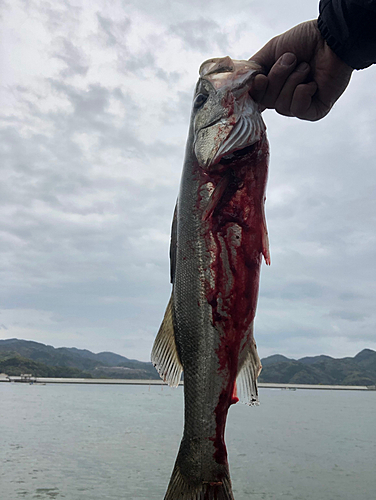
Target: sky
<point>95,106</point>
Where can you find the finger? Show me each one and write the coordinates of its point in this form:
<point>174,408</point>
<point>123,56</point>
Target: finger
<point>284,100</point>
<point>259,86</point>
<point>305,106</point>
<point>277,77</point>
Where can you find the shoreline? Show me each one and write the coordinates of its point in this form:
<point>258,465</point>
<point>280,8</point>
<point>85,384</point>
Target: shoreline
<point>261,385</point>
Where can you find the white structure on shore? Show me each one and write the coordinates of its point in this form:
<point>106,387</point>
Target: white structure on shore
<point>91,381</point>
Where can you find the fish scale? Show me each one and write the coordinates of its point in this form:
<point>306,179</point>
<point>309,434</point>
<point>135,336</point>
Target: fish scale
<point>218,238</point>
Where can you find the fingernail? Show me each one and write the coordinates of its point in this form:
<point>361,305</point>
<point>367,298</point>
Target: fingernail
<point>288,59</point>
<point>302,67</point>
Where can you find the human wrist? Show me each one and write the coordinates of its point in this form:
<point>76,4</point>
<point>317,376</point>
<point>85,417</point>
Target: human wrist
<point>338,67</point>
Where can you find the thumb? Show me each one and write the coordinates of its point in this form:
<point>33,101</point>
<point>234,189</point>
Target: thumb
<point>265,57</point>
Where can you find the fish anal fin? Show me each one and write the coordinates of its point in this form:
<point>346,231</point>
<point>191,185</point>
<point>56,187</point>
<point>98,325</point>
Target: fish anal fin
<point>246,381</point>
<point>164,354</point>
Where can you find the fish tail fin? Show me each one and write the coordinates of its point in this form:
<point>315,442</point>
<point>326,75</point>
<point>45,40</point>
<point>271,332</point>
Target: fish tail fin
<point>180,489</point>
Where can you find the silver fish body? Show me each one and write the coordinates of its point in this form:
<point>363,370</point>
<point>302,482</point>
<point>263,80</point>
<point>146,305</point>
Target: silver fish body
<point>218,238</point>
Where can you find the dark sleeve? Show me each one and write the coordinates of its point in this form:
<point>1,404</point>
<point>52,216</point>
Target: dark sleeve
<point>349,28</point>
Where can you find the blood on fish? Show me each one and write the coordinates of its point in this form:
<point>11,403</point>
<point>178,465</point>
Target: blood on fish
<point>233,310</point>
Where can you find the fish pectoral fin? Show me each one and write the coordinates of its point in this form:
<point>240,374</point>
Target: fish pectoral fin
<point>246,381</point>
<point>265,238</point>
<point>164,354</point>
<point>215,197</point>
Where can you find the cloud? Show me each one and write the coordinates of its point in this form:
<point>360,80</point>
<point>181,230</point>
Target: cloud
<point>348,315</point>
<point>76,63</point>
<point>58,16</point>
<point>201,34</point>
<point>113,32</point>
<point>135,64</point>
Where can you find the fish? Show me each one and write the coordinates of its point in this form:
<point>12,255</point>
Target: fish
<point>218,238</point>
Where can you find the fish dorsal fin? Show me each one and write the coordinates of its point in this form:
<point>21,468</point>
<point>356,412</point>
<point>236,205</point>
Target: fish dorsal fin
<point>173,245</point>
<point>246,381</point>
<point>164,354</point>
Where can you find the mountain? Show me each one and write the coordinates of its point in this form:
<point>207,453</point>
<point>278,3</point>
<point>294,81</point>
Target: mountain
<point>76,362</point>
<point>359,370</point>
<point>275,358</point>
<point>107,358</point>
<point>16,365</point>
<point>25,356</point>
<point>311,360</point>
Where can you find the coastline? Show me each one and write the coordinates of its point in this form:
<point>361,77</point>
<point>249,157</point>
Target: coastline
<point>261,385</point>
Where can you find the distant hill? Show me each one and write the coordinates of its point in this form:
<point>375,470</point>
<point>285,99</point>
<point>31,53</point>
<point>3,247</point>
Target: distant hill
<point>16,365</point>
<point>274,359</point>
<point>24,356</point>
<point>359,370</point>
<point>76,362</point>
<point>314,359</point>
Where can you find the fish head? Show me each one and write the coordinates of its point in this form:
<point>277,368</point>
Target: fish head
<point>225,118</point>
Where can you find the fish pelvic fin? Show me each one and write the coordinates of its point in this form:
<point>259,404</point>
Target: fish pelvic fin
<point>164,354</point>
<point>246,381</point>
<point>180,489</point>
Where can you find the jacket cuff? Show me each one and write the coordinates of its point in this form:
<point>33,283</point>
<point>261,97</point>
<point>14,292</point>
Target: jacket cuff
<point>348,27</point>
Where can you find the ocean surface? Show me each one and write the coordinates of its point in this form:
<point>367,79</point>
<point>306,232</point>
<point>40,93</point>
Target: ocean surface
<point>119,442</point>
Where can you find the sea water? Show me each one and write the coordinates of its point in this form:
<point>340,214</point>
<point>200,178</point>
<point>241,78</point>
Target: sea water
<point>95,442</point>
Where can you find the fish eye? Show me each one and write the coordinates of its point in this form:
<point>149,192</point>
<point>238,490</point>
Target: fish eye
<point>200,99</point>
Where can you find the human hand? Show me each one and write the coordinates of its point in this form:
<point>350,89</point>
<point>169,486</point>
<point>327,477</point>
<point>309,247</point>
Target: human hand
<point>303,76</point>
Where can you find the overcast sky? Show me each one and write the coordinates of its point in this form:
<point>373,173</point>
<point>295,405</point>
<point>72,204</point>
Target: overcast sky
<point>95,105</point>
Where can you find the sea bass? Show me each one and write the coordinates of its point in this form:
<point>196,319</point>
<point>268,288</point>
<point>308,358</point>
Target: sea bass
<point>218,238</point>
